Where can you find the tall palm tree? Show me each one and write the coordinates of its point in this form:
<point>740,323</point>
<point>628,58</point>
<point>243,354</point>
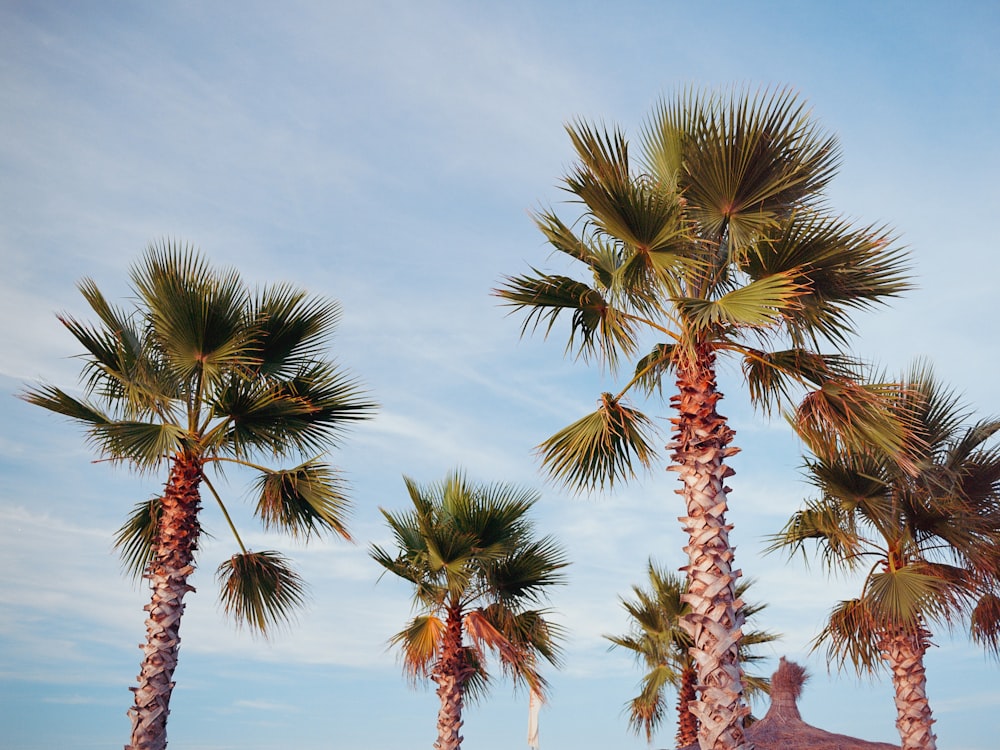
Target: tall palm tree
<point>929,544</point>
<point>202,372</point>
<point>477,569</point>
<point>717,242</point>
<point>658,641</point>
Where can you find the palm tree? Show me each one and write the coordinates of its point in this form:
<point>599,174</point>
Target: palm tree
<point>476,568</point>
<point>203,372</point>
<point>658,641</point>
<point>718,243</point>
<point>928,542</point>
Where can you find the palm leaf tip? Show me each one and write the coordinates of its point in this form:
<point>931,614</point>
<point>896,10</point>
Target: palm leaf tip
<point>260,590</point>
<point>601,448</point>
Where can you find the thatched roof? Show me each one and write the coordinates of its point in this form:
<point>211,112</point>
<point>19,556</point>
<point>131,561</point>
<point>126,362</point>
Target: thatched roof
<point>782,727</point>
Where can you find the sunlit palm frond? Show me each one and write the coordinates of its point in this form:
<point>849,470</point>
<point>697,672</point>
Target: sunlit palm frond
<point>633,211</point>
<point>136,539</point>
<point>260,590</point>
<point>601,448</point>
<point>419,643</point>
<point>304,500</point>
<point>647,711</point>
<point>855,416</point>
<point>759,304</point>
<point>57,400</point>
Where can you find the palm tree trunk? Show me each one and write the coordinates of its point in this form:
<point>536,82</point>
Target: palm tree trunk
<point>175,545</point>
<point>451,674</point>
<point>904,652</point>
<point>687,724</point>
<point>700,446</point>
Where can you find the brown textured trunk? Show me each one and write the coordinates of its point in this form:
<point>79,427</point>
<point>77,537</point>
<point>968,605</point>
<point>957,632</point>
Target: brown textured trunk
<point>700,446</point>
<point>451,674</point>
<point>687,724</point>
<point>904,653</point>
<point>177,540</point>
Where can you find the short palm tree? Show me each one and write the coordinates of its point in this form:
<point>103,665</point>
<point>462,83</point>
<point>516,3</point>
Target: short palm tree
<point>477,571</point>
<point>659,643</point>
<point>716,241</point>
<point>928,542</point>
<point>202,372</point>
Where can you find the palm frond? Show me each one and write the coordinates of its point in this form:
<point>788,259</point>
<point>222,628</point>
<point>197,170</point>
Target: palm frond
<point>654,367</point>
<point>136,539</point>
<point>985,623</point>
<point>291,328</point>
<point>304,500</point>
<point>851,635</point>
<point>759,304</point>
<point>830,526</point>
<point>197,313</point>
<point>596,329</point>
<point>600,448</point>
<point>260,590</point>
<point>419,643</point>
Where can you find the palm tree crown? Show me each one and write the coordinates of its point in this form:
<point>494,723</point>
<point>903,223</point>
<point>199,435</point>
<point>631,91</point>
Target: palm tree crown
<point>716,240</point>
<point>928,543</point>
<point>659,643</point>
<point>201,372</point>
<point>477,571</point>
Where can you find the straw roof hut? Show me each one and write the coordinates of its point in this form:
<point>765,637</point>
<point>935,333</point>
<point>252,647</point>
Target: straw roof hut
<point>782,727</point>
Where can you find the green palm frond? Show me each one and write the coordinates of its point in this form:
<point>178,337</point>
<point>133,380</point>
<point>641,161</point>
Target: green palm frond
<point>304,500</point>
<point>651,370</point>
<point>747,159</point>
<point>759,304</point>
<point>841,269</point>
<point>597,328</point>
<point>635,212</point>
<point>144,444</point>
<point>198,314</point>
<point>905,596</point>
<point>136,539</point>
<point>831,527</point>
<point>260,590</point>
<point>55,399</point>
<point>647,711</point>
<point>776,377</point>
<point>600,448</point>
<point>291,327</point>
<point>526,573</point>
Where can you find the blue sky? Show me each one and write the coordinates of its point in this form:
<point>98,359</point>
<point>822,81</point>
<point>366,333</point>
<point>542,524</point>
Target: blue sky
<point>387,154</point>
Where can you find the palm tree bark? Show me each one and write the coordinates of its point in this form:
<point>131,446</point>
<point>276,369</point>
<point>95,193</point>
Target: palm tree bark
<point>687,724</point>
<point>451,674</point>
<point>172,563</point>
<point>700,446</point>
<point>904,653</point>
